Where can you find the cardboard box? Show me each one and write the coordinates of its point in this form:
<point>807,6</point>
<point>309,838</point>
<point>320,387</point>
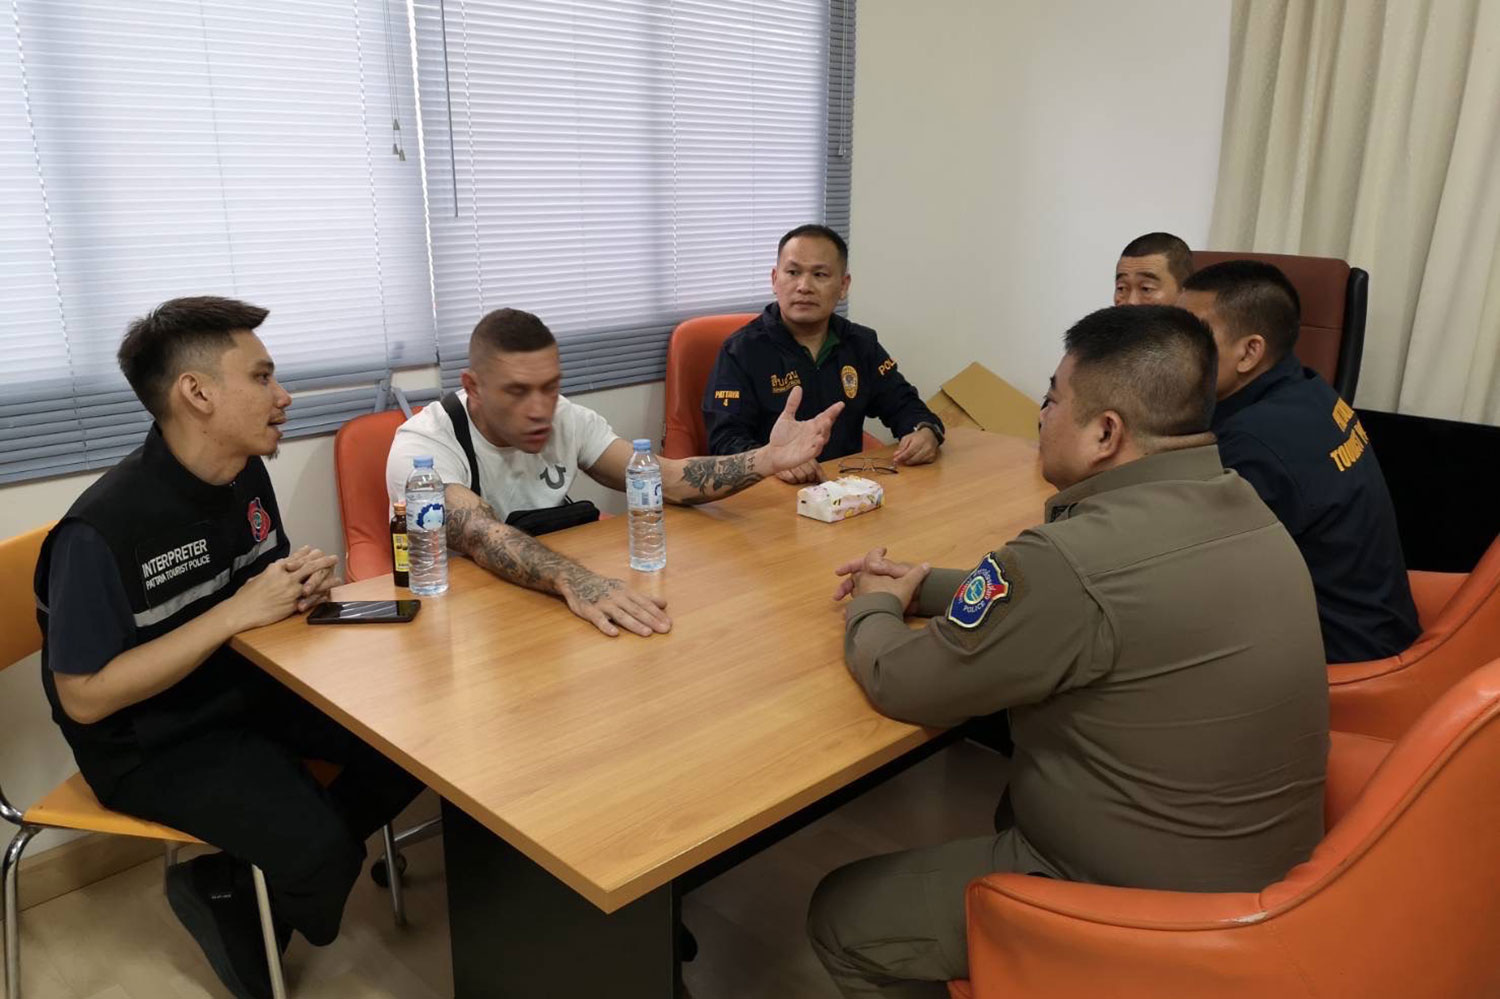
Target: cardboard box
<point>977,397</point>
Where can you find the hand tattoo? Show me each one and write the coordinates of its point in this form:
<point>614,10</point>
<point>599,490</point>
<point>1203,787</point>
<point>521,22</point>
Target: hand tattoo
<point>591,587</point>
<point>714,478</point>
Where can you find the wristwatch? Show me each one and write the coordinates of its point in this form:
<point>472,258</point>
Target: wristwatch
<point>937,431</point>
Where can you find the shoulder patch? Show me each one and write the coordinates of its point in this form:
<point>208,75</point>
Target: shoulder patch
<point>985,587</point>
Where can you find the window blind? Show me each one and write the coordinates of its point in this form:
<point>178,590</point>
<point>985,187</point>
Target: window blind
<point>617,167</point>
<point>158,148</point>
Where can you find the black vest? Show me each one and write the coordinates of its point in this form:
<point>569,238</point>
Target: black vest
<point>181,546</point>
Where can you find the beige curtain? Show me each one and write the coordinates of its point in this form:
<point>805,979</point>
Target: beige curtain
<point>1370,131</point>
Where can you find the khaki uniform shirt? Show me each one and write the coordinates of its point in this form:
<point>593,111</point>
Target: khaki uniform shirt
<point>1157,643</point>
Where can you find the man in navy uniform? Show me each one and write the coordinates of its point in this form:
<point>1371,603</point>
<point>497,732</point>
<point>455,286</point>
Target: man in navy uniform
<point>799,340</point>
<point>139,589</point>
<point>1286,431</point>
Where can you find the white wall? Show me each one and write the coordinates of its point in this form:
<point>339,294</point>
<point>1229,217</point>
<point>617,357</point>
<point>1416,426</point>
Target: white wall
<point>1005,152</point>
<point>33,755</point>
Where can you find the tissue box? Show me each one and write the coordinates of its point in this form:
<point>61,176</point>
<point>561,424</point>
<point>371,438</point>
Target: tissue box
<point>839,499</point>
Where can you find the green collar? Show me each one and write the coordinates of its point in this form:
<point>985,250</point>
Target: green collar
<point>829,343</point>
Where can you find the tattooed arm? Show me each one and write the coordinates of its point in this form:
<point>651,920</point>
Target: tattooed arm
<point>476,531</point>
<point>698,480</point>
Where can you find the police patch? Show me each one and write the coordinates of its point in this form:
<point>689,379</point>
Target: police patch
<point>850,378</point>
<point>260,521</point>
<point>985,587</point>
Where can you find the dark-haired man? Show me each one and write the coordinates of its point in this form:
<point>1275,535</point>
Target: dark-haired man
<point>139,588</point>
<point>1286,430</point>
<point>528,445</point>
<point>1147,754</point>
<point>800,341</point>
<point>1152,269</point>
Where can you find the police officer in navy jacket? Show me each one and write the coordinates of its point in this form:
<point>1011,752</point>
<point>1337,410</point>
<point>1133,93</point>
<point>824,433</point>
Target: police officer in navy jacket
<point>799,341</point>
<point>139,589</point>
<point>1302,447</point>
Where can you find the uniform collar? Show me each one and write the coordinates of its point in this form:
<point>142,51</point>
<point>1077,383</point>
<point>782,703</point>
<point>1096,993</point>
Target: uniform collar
<point>1189,463</point>
<point>836,325</point>
<point>160,461</point>
<point>1286,368</point>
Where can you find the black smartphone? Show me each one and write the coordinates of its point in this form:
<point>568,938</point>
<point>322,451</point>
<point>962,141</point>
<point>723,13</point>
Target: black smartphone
<point>364,612</point>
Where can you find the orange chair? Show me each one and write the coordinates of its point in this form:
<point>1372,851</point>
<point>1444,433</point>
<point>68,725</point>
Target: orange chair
<point>359,451</point>
<point>1399,899</point>
<point>1334,298</point>
<point>1384,696</point>
<point>72,804</point>
<point>690,360</point>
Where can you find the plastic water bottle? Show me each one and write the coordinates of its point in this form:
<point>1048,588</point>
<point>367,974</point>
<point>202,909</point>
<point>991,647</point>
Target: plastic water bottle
<point>648,535</point>
<point>426,535</point>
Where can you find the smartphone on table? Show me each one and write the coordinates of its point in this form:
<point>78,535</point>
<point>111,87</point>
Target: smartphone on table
<point>364,612</point>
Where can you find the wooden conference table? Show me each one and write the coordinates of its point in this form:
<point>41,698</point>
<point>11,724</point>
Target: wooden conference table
<point>587,780</point>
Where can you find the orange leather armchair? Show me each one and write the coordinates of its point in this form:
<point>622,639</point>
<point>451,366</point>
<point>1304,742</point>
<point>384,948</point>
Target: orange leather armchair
<point>359,452</point>
<point>1460,616</point>
<point>1399,899</point>
<point>690,360</point>
<point>1334,298</point>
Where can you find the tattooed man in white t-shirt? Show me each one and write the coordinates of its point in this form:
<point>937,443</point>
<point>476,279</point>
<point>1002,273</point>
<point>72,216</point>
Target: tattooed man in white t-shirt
<point>530,443</point>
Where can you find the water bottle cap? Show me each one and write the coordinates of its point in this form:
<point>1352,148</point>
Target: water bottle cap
<point>641,444</point>
<point>423,462</point>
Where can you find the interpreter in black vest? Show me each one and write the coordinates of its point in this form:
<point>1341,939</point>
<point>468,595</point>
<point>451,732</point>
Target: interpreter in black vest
<point>139,588</point>
<point>1285,430</point>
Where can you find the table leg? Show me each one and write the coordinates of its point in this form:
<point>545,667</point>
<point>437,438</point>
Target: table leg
<point>517,931</point>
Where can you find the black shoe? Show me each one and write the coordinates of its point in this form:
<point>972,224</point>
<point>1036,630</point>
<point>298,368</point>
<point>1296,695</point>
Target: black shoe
<point>223,921</point>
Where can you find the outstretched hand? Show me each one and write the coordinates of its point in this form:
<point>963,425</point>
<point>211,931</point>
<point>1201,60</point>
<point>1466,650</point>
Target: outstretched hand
<point>795,442</point>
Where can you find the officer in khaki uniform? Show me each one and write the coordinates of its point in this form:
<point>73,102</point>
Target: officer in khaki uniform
<point>1156,642</point>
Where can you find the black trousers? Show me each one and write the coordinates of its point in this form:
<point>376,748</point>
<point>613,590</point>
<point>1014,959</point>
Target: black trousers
<point>243,788</point>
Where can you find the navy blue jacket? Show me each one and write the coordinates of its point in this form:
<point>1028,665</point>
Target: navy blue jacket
<point>761,362</point>
<point>1304,451</point>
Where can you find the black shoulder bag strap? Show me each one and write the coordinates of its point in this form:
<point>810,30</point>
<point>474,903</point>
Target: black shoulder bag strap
<point>455,411</point>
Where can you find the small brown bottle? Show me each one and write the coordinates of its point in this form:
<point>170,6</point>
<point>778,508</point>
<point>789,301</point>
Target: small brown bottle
<point>399,555</point>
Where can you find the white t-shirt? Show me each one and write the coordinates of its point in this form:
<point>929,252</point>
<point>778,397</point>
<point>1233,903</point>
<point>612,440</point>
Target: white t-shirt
<point>512,479</point>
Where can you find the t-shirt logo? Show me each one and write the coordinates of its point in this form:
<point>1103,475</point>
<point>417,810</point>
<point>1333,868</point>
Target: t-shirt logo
<point>850,378</point>
<point>984,587</point>
<point>546,476</point>
<point>260,521</point>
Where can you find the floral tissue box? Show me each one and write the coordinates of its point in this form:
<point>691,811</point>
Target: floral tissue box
<point>839,499</point>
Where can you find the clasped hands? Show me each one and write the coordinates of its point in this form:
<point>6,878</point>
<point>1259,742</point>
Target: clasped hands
<point>875,573</point>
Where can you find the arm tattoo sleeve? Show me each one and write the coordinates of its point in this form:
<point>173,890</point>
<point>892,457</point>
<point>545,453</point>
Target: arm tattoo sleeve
<point>512,555</point>
<point>714,478</point>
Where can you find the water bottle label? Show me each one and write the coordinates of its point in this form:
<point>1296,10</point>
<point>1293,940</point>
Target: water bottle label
<point>643,493</point>
<point>430,516</point>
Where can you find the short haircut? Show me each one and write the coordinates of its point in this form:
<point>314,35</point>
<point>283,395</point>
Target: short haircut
<point>174,336</point>
<point>509,331</point>
<point>1155,365</point>
<point>1253,297</point>
<point>822,232</point>
<point>1179,257</point>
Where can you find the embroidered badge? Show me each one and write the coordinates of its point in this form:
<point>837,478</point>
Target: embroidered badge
<point>782,384</point>
<point>850,378</point>
<point>985,587</point>
<point>260,521</point>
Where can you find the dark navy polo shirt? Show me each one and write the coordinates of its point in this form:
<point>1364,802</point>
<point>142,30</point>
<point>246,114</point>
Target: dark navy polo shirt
<point>1303,449</point>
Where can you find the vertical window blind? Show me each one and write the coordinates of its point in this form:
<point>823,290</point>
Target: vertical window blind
<point>617,167</point>
<point>158,148</point>
<point>612,166</point>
